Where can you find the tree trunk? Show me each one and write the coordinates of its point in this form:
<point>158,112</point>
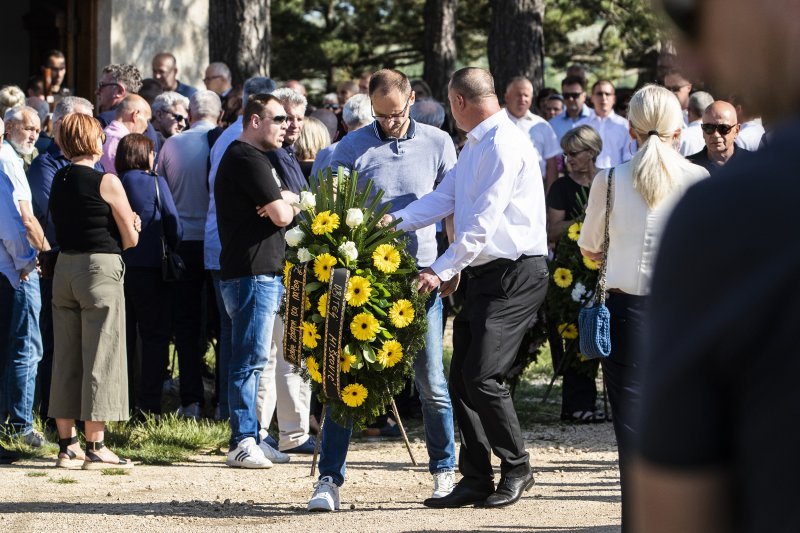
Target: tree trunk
<point>239,34</point>
<point>440,45</point>
<point>516,43</point>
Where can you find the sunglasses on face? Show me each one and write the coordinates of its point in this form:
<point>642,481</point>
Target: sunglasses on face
<point>723,129</point>
<point>571,96</point>
<point>178,118</point>
<point>279,119</point>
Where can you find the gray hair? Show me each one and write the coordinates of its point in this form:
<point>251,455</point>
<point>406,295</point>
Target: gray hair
<point>428,111</point>
<point>357,111</point>
<point>290,97</point>
<point>699,101</point>
<point>126,75</point>
<point>17,114</point>
<point>256,85</point>
<point>68,105</point>
<point>40,106</point>
<point>205,104</point>
<point>167,100</point>
<point>221,69</point>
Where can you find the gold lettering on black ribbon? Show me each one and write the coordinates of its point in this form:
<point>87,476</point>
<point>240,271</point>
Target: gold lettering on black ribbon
<point>334,327</point>
<point>293,317</point>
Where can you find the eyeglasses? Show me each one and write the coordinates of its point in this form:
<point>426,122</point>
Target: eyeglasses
<point>573,154</point>
<point>571,96</point>
<point>723,129</point>
<point>395,116</point>
<point>100,86</point>
<point>176,116</point>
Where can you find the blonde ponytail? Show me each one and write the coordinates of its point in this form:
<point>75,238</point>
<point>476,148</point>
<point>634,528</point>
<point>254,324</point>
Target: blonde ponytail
<point>655,114</point>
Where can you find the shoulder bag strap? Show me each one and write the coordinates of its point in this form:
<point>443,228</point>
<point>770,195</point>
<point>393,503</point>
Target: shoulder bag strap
<point>161,214</point>
<point>601,279</point>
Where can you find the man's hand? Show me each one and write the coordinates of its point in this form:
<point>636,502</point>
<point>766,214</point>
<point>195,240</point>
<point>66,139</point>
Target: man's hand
<point>137,223</point>
<point>428,281</point>
<point>35,234</point>
<point>450,286</point>
<point>386,220</point>
<point>597,257</point>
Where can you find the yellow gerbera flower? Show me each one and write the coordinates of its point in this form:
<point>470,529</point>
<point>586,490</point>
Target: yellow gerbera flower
<point>310,335</point>
<point>322,305</point>
<point>591,265</point>
<point>323,265</point>
<point>286,268</point>
<point>324,223</point>
<point>568,331</point>
<point>364,326</point>
<point>354,394</point>
<point>386,258</point>
<point>345,361</point>
<point>574,231</point>
<point>307,305</point>
<point>390,353</point>
<point>401,313</point>
<point>358,291</point>
<point>313,369</point>
<point>563,277</point>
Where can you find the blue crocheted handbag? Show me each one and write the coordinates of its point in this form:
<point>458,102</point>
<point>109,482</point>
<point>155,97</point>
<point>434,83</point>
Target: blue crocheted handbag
<point>594,321</point>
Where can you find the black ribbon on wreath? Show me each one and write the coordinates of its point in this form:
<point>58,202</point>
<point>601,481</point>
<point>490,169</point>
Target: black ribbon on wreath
<point>334,328</point>
<point>293,317</point>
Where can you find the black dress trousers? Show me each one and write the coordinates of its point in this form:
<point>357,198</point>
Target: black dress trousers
<point>502,301</point>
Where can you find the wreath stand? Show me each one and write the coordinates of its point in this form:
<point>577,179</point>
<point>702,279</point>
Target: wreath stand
<point>396,414</point>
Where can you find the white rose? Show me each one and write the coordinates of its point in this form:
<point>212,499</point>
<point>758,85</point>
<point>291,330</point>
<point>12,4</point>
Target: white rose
<point>355,217</point>
<point>304,256</point>
<point>294,236</point>
<point>307,201</point>
<point>578,292</point>
<point>349,250</point>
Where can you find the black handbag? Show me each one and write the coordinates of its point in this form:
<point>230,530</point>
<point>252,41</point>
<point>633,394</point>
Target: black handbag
<point>172,266</point>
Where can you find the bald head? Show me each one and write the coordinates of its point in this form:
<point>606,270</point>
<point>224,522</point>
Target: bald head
<point>720,112</point>
<point>134,113</point>
<point>473,83</point>
<point>720,129</point>
<point>472,97</point>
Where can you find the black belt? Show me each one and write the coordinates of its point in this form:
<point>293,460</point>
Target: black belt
<point>491,266</point>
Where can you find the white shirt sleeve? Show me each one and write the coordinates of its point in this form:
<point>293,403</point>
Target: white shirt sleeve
<point>491,190</point>
<point>431,208</point>
<point>593,230</point>
<point>549,140</point>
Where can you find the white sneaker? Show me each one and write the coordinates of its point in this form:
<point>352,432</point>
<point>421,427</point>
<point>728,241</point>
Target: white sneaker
<point>247,454</point>
<point>272,454</point>
<point>443,483</point>
<point>325,497</point>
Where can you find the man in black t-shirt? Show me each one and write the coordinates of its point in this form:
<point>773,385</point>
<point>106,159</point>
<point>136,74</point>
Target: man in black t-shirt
<point>252,211</point>
<point>719,440</point>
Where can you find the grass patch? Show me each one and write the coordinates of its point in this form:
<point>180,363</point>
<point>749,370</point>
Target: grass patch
<point>36,474</point>
<point>115,472</point>
<point>64,480</point>
<point>170,439</point>
<point>27,452</point>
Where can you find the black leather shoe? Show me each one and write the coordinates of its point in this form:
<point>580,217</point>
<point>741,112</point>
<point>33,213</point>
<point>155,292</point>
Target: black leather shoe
<point>463,494</point>
<point>7,456</point>
<point>509,490</point>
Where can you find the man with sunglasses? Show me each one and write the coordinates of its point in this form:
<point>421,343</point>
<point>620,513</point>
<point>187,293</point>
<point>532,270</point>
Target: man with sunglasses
<point>170,114</point>
<point>718,437</point>
<point>573,91</point>
<point>720,129</point>
<point>612,128</point>
<point>406,160</point>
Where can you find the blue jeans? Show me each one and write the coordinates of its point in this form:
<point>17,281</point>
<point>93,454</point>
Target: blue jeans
<point>437,411</point>
<point>251,303</point>
<point>21,351</point>
<point>223,347</point>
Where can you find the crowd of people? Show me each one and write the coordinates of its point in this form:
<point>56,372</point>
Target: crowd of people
<point>168,204</point>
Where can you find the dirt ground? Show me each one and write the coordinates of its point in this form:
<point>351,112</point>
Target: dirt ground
<point>577,489</point>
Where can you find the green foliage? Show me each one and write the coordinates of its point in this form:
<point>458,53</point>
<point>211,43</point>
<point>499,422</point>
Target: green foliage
<point>36,474</point>
<point>63,480</point>
<point>115,471</point>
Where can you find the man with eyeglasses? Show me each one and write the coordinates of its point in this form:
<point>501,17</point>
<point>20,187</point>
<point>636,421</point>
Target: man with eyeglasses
<point>218,79</point>
<point>170,114</point>
<point>573,91</point>
<point>406,160</point>
<point>612,128</point>
<point>132,116</point>
<point>718,438</point>
<point>720,129</point>
<point>681,87</point>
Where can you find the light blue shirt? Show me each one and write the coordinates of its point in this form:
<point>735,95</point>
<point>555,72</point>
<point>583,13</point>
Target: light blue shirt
<point>211,244</point>
<point>183,161</point>
<point>17,256</point>
<point>563,123</point>
<point>405,169</point>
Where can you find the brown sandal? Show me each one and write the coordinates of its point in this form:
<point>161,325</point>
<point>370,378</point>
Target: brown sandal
<point>94,462</point>
<point>69,458</point>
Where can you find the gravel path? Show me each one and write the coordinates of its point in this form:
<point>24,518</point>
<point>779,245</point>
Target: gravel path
<point>577,489</point>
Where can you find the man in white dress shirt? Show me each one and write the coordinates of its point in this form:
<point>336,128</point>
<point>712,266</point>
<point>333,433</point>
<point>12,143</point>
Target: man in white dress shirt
<point>692,135</point>
<point>518,98</point>
<point>752,130</point>
<point>612,128</point>
<point>500,243</point>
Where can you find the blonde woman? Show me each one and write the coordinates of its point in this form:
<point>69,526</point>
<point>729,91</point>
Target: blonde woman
<point>313,138</point>
<point>643,193</point>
